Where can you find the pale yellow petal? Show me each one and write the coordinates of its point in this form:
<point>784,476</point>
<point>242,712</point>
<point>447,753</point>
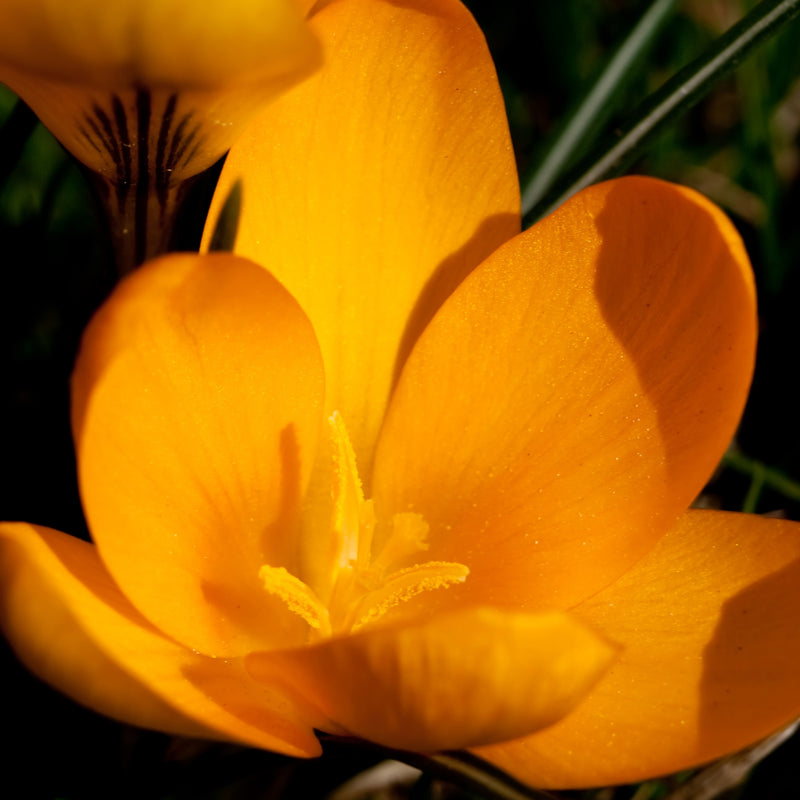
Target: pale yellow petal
<point>373,187</point>
<point>154,43</point>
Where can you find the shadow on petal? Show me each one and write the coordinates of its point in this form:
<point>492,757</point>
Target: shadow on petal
<point>449,274</point>
<point>750,680</point>
<point>253,704</point>
<point>666,251</point>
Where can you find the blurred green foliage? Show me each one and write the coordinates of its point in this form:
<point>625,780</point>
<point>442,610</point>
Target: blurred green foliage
<point>740,147</point>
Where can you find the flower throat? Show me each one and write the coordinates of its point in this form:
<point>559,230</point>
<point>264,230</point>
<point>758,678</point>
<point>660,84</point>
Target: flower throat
<point>364,588</point>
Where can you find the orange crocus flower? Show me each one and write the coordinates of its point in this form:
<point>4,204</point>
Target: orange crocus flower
<point>423,480</point>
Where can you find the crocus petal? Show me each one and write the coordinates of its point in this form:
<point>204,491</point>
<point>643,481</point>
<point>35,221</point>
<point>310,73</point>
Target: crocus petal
<point>370,217</point>
<point>473,676</point>
<point>170,43</point>
<point>196,406</point>
<point>572,397</point>
<point>708,626</point>
<point>141,89</point>
<point>71,625</point>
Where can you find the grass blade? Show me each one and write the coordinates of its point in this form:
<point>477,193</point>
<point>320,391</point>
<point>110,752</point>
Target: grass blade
<point>595,104</point>
<point>678,94</point>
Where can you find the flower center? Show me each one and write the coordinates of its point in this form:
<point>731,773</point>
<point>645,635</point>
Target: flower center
<point>364,587</point>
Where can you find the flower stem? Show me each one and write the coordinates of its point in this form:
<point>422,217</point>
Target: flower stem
<point>141,222</point>
<point>461,769</point>
<point>146,145</point>
<point>476,775</point>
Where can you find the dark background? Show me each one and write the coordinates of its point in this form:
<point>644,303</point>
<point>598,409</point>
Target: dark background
<point>740,146</point>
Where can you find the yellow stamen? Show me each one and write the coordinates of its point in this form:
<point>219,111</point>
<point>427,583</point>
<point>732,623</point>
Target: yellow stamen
<point>361,589</point>
<point>365,532</point>
<point>404,584</point>
<point>348,495</point>
<point>298,596</point>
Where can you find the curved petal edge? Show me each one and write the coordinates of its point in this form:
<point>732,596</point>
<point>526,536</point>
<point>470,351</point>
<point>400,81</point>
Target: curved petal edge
<point>475,676</point>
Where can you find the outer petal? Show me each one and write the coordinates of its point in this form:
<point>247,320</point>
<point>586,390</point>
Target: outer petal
<point>196,406</point>
<point>708,626</point>
<point>472,677</point>
<point>151,88</point>
<point>71,625</point>
<point>165,43</point>
<point>372,188</point>
<point>574,394</point>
